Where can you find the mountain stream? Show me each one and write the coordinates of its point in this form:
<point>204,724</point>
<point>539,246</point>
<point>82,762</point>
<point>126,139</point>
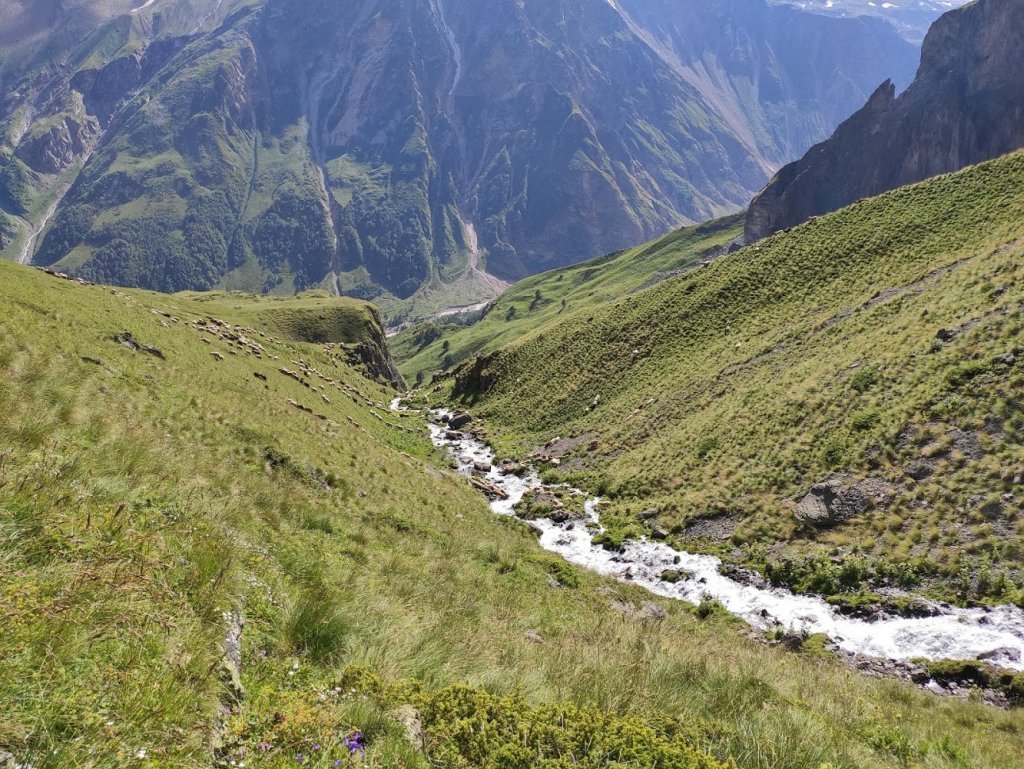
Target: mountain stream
<point>995,634</point>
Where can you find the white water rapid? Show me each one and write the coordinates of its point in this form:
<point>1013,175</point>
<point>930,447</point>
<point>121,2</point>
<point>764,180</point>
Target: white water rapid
<point>953,633</point>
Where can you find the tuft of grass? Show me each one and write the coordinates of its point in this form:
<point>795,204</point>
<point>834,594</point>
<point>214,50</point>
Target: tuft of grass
<point>316,625</point>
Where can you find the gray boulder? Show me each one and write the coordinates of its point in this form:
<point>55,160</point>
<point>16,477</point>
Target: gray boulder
<point>659,532</point>
<point>412,725</point>
<point>831,503</point>
<point>1003,654</point>
<point>459,420</point>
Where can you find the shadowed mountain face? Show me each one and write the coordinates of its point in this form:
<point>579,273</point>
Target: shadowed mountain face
<point>377,148</point>
<point>965,106</point>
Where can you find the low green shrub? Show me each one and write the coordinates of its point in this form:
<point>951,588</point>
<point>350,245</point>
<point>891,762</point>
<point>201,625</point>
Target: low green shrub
<point>709,607</point>
<point>865,379</point>
<point>467,727</point>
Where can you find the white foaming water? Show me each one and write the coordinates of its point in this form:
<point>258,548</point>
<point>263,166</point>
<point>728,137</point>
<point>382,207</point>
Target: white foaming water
<point>952,634</point>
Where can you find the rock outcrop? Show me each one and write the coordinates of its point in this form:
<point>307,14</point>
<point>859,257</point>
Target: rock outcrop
<point>59,145</point>
<point>965,106</point>
<point>831,503</point>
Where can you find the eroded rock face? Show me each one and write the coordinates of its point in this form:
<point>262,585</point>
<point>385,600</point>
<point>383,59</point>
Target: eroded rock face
<point>60,145</point>
<point>965,106</point>
<point>106,87</point>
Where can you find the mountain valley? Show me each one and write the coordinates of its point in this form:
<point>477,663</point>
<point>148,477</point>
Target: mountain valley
<point>877,370</point>
<point>417,152</point>
<point>425,383</point>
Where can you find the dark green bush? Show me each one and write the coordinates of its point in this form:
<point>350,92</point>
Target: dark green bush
<point>966,373</point>
<point>865,379</point>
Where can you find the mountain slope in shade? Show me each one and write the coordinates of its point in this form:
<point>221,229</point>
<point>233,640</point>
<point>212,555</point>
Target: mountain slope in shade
<point>391,149</point>
<point>965,106</point>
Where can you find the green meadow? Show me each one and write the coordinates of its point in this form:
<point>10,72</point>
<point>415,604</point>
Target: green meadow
<point>880,345</point>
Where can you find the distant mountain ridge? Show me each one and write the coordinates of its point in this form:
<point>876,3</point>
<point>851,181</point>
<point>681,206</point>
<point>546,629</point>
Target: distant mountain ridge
<point>387,149</point>
<point>912,18</point>
<point>965,106</point>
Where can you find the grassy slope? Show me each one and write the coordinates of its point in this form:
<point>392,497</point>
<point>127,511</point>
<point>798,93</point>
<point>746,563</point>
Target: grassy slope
<point>729,391</point>
<point>517,312</point>
<point>140,499</point>
<point>313,316</point>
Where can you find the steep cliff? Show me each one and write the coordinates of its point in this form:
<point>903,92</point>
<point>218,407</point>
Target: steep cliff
<point>966,105</point>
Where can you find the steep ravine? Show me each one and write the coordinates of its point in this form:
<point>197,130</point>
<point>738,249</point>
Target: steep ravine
<point>35,230</point>
<point>996,634</point>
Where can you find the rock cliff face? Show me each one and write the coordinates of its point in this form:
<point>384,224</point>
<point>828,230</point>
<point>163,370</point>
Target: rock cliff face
<point>377,148</point>
<point>55,147</point>
<point>966,105</point>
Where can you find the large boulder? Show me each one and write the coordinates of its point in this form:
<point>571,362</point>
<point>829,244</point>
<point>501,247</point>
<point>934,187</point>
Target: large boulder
<point>459,420</point>
<point>832,502</point>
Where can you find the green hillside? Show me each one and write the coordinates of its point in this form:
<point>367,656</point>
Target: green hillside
<point>157,486</point>
<point>548,298</point>
<point>880,345</point>
<point>314,316</point>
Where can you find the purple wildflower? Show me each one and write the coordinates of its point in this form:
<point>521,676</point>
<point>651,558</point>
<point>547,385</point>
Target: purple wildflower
<point>355,743</point>
<point>300,758</point>
<point>316,746</point>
